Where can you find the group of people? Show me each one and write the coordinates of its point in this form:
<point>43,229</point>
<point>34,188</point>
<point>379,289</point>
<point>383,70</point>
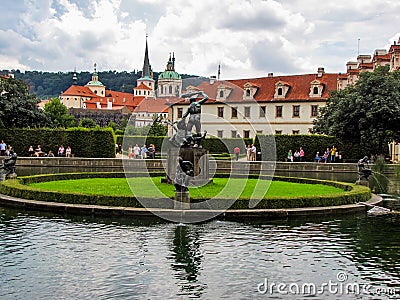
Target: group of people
<point>251,152</point>
<point>297,156</point>
<point>331,155</point>
<point>62,152</point>
<point>5,149</point>
<point>143,152</point>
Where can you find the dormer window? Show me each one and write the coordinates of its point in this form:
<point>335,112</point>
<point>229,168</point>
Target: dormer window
<point>316,88</point>
<point>223,92</point>
<point>250,89</point>
<point>281,89</point>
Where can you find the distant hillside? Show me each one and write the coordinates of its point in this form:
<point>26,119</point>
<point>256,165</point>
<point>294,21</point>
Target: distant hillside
<point>48,84</point>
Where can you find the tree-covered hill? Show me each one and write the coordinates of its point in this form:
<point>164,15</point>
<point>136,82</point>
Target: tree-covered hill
<point>49,84</point>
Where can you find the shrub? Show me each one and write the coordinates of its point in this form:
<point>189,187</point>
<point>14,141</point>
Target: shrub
<point>83,141</point>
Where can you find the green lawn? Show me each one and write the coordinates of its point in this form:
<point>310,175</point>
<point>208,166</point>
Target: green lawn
<point>223,187</point>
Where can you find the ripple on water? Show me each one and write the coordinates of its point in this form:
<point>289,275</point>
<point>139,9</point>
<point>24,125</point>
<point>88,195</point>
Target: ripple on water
<point>52,257</point>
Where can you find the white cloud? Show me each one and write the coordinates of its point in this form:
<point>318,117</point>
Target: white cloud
<point>248,38</point>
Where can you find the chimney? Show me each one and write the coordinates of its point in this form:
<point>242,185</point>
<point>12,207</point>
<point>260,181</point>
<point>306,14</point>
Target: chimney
<point>270,74</point>
<point>321,71</point>
<point>212,79</point>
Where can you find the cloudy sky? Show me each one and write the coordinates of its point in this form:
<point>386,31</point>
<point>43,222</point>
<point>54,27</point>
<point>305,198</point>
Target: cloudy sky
<point>249,38</point>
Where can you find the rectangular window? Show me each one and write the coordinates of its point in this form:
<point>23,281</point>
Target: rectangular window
<point>278,111</point>
<point>278,131</point>
<point>314,110</point>
<point>246,134</point>
<point>262,111</point>
<point>247,111</point>
<point>220,133</point>
<point>295,131</point>
<point>220,111</point>
<point>296,111</point>
<point>180,112</point>
<point>233,134</point>
<point>234,113</point>
<point>259,132</point>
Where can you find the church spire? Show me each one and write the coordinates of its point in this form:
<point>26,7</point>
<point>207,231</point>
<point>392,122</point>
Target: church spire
<point>146,64</point>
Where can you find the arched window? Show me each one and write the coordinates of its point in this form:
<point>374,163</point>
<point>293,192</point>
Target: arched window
<point>280,91</point>
<point>248,93</point>
<point>170,89</point>
<point>221,94</point>
<point>316,91</point>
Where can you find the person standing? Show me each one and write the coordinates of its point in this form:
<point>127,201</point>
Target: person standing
<point>302,154</point>
<point>290,156</point>
<point>333,154</point>
<point>248,152</point>
<point>136,151</point>
<point>3,147</point>
<point>296,156</point>
<point>237,152</point>
<point>143,152</point>
<point>253,152</point>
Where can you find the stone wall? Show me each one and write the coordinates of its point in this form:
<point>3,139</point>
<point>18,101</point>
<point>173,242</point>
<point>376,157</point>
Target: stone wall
<point>28,166</point>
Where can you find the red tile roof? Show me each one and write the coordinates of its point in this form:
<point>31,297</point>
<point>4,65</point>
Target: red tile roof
<point>152,105</point>
<point>142,86</point>
<point>77,90</point>
<point>299,87</point>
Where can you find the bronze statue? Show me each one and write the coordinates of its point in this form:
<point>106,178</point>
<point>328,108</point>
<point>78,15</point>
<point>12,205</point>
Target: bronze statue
<point>184,171</point>
<point>194,111</point>
<point>363,171</point>
<point>9,165</point>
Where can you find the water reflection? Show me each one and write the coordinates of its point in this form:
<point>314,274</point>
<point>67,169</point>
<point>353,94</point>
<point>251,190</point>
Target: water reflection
<point>44,256</point>
<point>187,258</point>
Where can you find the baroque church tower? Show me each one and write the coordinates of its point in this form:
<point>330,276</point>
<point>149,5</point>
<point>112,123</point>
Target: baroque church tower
<point>169,81</point>
<point>145,84</point>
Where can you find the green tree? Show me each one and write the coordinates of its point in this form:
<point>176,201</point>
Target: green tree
<point>157,128</point>
<point>366,113</point>
<point>58,113</point>
<point>18,108</point>
<point>88,123</point>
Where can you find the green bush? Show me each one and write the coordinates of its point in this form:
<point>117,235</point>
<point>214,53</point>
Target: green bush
<point>310,143</point>
<point>18,188</point>
<point>83,141</point>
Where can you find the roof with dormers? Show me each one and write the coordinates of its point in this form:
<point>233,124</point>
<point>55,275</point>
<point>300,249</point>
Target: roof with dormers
<point>299,87</point>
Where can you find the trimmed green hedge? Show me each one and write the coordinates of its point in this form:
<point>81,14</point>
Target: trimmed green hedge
<point>18,188</point>
<point>311,144</point>
<point>214,145</point>
<point>84,142</point>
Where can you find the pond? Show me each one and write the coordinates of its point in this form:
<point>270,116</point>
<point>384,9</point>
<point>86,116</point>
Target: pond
<point>45,256</point>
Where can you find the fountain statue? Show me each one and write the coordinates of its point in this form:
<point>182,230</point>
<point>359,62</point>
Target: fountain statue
<point>186,149</point>
<point>8,166</point>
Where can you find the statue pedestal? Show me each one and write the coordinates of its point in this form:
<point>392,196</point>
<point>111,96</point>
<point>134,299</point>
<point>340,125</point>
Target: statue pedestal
<point>197,156</point>
<point>182,200</point>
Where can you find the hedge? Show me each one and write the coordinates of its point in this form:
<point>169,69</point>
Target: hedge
<point>310,144</point>
<point>214,145</point>
<point>84,142</point>
<point>18,188</point>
